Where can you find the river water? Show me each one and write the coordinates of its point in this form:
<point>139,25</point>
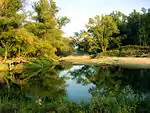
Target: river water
<point>75,82</point>
<point>83,80</point>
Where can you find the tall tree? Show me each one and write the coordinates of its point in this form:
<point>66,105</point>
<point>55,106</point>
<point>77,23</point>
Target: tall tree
<point>144,28</point>
<point>121,21</point>
<point>12,36</point>
<point>134,21</point>
<point>47,27</point>
<point>101,29</point>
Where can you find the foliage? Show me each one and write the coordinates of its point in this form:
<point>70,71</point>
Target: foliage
<point>125,51</point>
<point>40,37</point>
<point>113,31</point>
<point>124,101</point>
<point>33,97</point>
<point>98,34</point>
<point>63,21</point>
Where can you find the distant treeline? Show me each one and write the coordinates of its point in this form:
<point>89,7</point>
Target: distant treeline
<point>107,32</point>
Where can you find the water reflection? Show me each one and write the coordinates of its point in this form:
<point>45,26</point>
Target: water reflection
<point>115,85</point>
<point>78,82</point>
<point>76,91</point>
<point>104,77</point>
<point>37,81</point>
<point>44,81</point>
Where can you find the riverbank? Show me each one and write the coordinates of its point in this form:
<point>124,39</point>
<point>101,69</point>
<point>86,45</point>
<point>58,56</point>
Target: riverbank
<point>129,62</point>
<point>133,62</point>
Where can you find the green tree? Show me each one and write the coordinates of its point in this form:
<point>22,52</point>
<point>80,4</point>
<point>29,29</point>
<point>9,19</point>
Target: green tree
<point>82,41</point>
<point>121,21</point>
<point>101,29</point>
<point>63,21</point>
<point>138,25</point>
<point>48,28</point>
<point>144,28</point>
<point>13,38</point>
<point>134,20</point>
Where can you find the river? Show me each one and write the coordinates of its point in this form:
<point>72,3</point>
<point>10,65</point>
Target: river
<point>76,83</point>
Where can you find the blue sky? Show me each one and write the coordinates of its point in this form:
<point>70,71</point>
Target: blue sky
<point>79,11</point>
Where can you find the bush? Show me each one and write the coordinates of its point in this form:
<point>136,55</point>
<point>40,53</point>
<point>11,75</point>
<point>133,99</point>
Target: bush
<point>125,51</point>
<point>109,53</point>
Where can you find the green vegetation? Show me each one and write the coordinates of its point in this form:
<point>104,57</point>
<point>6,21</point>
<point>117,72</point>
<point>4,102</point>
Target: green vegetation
<point>111,32</point>
<point>38,88</point>
<point>39,32</point>
<point>39,36</point>
<point>125,51</point>
<point>36,38</point>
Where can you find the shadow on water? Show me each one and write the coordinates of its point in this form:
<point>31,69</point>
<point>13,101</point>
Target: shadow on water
<point>46,86</point>
<point>38,83</point>
<point>104,80</point>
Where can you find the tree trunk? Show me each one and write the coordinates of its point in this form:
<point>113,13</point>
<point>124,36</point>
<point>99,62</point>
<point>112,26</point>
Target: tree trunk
<point>104,49</point>
<point>6,54</point>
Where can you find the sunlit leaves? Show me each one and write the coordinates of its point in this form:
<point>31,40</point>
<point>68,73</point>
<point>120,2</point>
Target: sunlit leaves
<point>63,21</point>
<point>102,29</point>
<point>9,8</point>
<point>40,37</point>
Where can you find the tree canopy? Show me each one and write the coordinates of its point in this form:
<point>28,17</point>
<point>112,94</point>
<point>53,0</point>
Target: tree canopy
<point>116,29</point>
<point>40,36</point>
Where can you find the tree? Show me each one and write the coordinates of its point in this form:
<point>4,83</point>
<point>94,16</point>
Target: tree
<point>144,28</point>
<point>134,20</point>
<point>121,21</point>
<point>138,27</point>
<point>101,29</point>
<point>82,41</point>
<point>63,21</point>
<point>12,35</point>
<point>48,28</point>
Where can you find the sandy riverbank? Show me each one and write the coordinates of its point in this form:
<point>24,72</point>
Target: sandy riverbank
<point>122,61</point>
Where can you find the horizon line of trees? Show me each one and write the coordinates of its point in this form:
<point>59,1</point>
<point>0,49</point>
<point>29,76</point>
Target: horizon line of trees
<point>40,36</point>
<point>114,30</point>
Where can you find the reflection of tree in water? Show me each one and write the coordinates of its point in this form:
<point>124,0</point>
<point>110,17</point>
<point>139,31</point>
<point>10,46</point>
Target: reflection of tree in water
<point>39,80</point>
<point>100,76</point>
<point>82,75</point>
<point>138,79</point>
<point>107,91</point>
<point>109,77</point>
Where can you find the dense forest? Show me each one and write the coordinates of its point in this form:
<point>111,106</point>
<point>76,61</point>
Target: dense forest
<point>32,33</point>
<point>112,31</point>
<point>36,33</point>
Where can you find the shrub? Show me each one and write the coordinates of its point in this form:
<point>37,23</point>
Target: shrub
<point>125,51</point>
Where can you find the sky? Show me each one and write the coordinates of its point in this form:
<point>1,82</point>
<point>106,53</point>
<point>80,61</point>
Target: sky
<point>79,11</point>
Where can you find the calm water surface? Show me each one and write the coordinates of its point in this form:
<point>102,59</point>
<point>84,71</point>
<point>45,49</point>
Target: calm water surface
<point>84,81</point>
<point>76,91</point>
<point>75,82</point>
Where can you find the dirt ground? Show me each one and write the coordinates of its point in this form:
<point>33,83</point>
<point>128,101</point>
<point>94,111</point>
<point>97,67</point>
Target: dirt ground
<point>132,60</point>
<point>125,61</point>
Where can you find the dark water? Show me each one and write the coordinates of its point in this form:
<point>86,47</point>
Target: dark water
<point>73,82</point>
<point>83,81</point>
